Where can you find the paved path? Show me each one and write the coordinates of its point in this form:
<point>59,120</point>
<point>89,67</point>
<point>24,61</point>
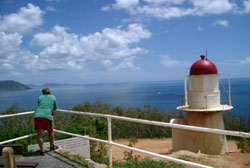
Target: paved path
<point>75,145</point>
<point>50,160</point>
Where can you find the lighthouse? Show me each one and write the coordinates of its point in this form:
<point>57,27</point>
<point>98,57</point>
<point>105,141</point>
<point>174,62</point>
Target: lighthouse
<point>203,109</point>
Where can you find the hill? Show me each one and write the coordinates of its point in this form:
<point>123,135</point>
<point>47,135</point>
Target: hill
<point>12,85</point>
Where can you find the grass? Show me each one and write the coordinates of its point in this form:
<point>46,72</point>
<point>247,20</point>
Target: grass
<point>184,157</point>
<point>75,158</point>
<point>148,163</point>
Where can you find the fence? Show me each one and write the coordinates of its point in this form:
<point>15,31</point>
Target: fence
<point>111,143</point>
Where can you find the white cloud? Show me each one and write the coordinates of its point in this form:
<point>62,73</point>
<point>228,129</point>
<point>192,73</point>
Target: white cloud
<point>212,6</point>
<point>23,21</point>
<point>169,63</point>
<point>221,23</point>
<point>167,9</point>
<point>51,9</point>
<point>114,43</point>
<point>61,50</point>
<point>11,54</point>
<point>164,1</point>
<point>125,3</point>
<point>12,28</point>
<point>48,38</point>
<point>162,12</point>
<point>107,63</point>
<point>246,4</point>
<point>65,50</point>
<point>6,67</point>
<point>129,4</point>
<point>127,63</point>
<point>246,60</point>
<point>44,39</point>
<point>121,4</point>
<point>9,47</point>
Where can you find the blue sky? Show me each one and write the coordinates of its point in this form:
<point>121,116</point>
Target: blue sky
<point>99,41</point>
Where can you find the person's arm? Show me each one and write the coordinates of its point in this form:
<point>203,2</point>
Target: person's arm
<point>53,112</point>
<point>54,108</point>
<point>38,101</point>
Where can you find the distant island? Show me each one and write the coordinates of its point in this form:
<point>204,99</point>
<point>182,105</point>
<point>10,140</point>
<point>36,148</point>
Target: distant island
<point>12,85</point>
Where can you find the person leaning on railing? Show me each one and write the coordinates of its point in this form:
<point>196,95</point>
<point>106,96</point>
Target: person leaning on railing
<point>43,118</point>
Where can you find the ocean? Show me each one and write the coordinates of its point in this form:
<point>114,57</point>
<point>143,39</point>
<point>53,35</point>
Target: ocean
<point>166,95</point>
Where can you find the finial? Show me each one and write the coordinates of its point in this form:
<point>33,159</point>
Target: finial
<point>203,56</point>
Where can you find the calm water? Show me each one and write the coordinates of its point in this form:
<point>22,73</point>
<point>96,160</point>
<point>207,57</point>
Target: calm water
<point>165,95</point>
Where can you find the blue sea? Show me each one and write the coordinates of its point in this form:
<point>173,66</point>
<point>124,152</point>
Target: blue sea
<point>166,95</point>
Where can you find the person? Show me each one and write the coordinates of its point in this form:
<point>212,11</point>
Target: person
<point>43,118</point>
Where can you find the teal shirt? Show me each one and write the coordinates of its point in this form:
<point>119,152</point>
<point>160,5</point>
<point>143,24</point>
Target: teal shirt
<point>46,103</point>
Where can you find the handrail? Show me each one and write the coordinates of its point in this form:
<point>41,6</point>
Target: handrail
<point>19,138</point>
<point>17,114</point>
<point>163,124</point>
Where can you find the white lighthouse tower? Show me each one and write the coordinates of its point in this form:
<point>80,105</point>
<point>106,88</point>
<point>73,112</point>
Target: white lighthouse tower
<point>202,104</point>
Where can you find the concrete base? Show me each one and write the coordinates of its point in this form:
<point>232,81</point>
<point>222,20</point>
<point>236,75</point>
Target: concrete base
<point>197,141</point>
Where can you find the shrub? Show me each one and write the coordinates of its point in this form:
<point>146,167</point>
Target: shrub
<point>244,145</point>
<point>128,155</point>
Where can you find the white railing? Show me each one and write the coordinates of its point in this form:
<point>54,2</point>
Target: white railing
<point>111,143</point>
<point>164,124</point>
<point>17,114</point>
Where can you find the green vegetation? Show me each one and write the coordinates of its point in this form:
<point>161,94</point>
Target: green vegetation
<point>236,123</point>
<point>75,158</point>
<point>12,85</point>
<point>184,157</point>
<point>244,145</point>
<point>97,127</point>
<point>148,163</point>
<point>13,127</point>
<point>98,152</point>
<point>121,129</point>
<point>129,155</point>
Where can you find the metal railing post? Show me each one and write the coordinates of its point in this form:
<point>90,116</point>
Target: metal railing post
<point>185,89</point>
<point>229,88</point>
<point>109,141</point>
<point>8,157</point>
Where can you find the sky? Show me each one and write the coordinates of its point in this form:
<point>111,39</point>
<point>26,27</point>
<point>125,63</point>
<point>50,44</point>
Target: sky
<point>106,41</point>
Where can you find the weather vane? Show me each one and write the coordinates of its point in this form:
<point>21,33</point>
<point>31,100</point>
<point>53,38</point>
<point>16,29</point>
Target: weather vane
<point>206,54</point>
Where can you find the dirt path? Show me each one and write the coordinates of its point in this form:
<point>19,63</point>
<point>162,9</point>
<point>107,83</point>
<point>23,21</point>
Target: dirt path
<point>234,159</point>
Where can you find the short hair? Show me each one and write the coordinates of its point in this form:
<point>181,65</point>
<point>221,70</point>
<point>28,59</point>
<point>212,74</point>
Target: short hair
<point>46,91</point>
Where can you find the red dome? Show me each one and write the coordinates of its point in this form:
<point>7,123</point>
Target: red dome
<point>203,67</point>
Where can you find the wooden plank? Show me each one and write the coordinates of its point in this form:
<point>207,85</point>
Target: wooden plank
<point>18,149</point>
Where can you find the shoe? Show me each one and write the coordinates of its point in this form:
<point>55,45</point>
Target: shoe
<point>42,153</point>
<point>54,147</point>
